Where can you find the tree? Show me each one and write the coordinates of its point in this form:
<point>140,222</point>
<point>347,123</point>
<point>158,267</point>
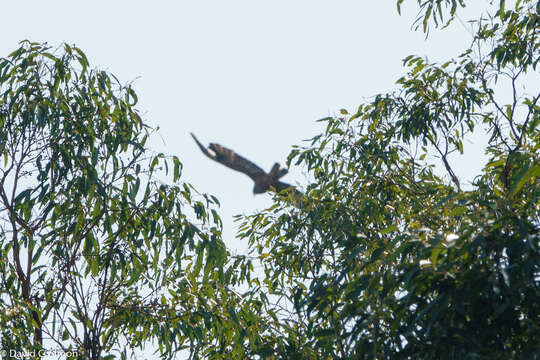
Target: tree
<point>390,259</point>
<point>97,253</point>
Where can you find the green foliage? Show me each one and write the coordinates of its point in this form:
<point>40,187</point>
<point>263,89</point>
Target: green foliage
<point>389,258</point>
<point>434,10</point>
<point>384,256</point>
<point>97,254</point>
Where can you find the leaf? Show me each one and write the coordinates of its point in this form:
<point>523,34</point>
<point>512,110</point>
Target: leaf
<point>435,253</point>
<point>523,176</point>
<point>94,265</point>
<point>399,6</point>
<point>389,229</point>
<point>495,163</point>
<point>457,211</point>
<point>89,244</point>
<point>177,165</point>
<point>23,194</point>
<point>135,189</point>
<point>37,255</point>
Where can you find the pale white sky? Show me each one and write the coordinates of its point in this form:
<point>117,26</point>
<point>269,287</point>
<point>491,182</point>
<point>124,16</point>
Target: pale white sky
<point>251,75</point>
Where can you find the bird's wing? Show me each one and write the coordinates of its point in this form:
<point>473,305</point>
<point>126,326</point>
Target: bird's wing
<point>231,159</point>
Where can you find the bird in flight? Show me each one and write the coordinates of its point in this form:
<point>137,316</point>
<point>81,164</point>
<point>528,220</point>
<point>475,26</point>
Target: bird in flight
<point>263,181</point>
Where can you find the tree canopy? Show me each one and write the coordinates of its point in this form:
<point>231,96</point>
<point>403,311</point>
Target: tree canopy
<point>390,258</point>
<point>98,254</point>
<point>389,254</point>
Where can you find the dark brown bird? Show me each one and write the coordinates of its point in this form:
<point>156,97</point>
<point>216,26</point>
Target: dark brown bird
<point>263,181</point>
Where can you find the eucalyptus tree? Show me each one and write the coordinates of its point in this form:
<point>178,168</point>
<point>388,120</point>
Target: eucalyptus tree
<point>391,258</point>
<point>98,256</point>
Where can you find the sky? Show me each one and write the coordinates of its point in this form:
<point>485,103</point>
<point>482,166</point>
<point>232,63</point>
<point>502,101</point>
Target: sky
<point>253,75</point>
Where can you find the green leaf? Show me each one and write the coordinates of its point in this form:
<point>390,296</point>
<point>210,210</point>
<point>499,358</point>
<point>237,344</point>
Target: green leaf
<point>389,229</point>
<point>523,176</point>
<point>176,168</point>
<point>435,253</point>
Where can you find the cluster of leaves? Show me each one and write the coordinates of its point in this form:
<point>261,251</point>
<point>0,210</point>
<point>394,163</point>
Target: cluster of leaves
<point>97,254</point>
<point>390,258</point>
